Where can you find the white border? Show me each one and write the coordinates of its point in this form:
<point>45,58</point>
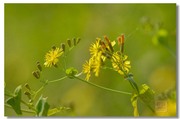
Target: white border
<point>90,1</point>
<point>2,61</point>
<point>65,1</point>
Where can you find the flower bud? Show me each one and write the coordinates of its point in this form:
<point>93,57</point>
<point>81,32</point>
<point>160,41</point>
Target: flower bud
<point>28,94</point>
<point>39,66</point>
<point>78,40</point>
<point>74,41</point>
<point>109,43</point>
<point>63,46</point>
<point>121,43</point>
<point>36,74</point>
<point>69,42</point>
<point>103,45</point>
<point>27,86</point>
<point>53,47</point>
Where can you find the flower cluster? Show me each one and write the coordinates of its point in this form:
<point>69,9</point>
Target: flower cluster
<point>100,51</point>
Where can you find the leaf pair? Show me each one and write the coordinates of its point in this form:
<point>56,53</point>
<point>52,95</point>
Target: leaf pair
<point>42,106</point>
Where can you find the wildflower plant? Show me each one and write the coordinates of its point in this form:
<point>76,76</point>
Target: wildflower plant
<point>100,52</point>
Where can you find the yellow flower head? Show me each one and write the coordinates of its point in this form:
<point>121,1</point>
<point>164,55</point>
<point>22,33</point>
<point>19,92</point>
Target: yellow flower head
<point>120,63</point>
<point>87,67</point>
<point>96,65</point>
<point>51,58</point>
<point>95,48</point>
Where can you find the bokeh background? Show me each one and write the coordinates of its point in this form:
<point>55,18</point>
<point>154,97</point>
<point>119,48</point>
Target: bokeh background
<point>150,42</point>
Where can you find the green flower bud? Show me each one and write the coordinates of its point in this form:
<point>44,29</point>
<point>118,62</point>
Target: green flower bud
<point>27,86</point>
<point>74,41</point>
<point>36,74</point>
<point>28,94</point>
<point>63,46</point>
<point>39,66</point>
<point>53,47</point>
<point>69,42</point>
<point>78,40</point>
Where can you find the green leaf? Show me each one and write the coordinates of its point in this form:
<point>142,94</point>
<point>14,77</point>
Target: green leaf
<point>147,96</point>
<point>56,110</point>
<point>15,101</point>
<point>132,82</point>
<point>134,99</point>
<point>160,37</point>
<point>71,72</point>
<point>53,111</point>
<point>42,107</point>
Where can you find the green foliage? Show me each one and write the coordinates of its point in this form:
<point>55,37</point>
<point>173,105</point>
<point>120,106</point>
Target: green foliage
<point>15,101</point>
<point>56,110</point>
<point>132,82</point>
<point>71,72</point>
<point>134,99</point>
<point>42,107</point>
<point>147,96</point>
<point>160,37</point>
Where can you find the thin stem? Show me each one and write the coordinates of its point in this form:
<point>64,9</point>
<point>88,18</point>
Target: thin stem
<point>98,86</point>
<point>170,50</point>
<point>56,80</point>
<point>9,95</point>
<point>31,107</point>
<point>38,91</point>
<point>23,110</point>
<point>42,87</point>
<point>104,67</point>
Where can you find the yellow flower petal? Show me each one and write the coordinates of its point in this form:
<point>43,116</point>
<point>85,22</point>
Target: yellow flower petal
<point>51,58</point>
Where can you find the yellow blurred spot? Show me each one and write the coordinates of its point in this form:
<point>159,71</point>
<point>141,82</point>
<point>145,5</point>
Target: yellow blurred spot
<point>163,78</point>
<point>166,108</point>
<point>82,97</point>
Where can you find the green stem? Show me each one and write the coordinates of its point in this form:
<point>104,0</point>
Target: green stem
<point>170,50</point>
<point>23,110</point>
<point>9,95</point>
<point>31,107</point>
<point>98,86</point>
<point>57,80</point>
<point>38,91</point>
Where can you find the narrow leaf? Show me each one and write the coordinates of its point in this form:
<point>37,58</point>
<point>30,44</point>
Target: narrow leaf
<point>134,99</point>
<point>56,110</point>
<point>53,111</point>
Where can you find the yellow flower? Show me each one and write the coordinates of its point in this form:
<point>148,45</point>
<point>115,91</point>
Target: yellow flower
<point>96,64</point>
<point>95,48</point>
<point>120,63</point>
<point>87,67</point>
<point>51,58</point>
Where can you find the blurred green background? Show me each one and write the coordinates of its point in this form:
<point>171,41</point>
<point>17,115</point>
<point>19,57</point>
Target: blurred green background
<point>32,29</point>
